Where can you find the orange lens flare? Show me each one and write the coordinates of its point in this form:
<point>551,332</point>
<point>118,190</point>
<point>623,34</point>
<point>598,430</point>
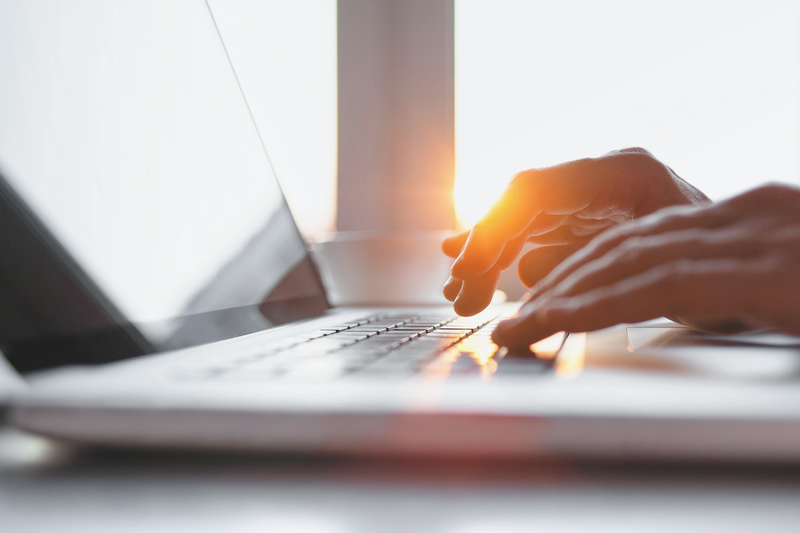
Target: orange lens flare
<point>572,356</point>
<point>548,348</point>
<point>483,357</point>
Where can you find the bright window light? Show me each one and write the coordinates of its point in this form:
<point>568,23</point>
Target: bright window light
<point>711,88</point>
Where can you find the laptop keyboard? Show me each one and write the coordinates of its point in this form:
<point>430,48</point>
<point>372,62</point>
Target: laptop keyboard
<point>394,345</point>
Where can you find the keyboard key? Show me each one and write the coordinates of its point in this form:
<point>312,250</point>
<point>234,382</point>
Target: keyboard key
<point>379,343</point>
<point>370,328</point>
<point>354,336</point>
<point>387,323</point>
<point>398,334</point>
<point>422,329</point>
<point>426,345</point>
<point>444,334</point>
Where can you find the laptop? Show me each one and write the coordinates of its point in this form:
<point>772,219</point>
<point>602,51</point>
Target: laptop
<point>155,291</point>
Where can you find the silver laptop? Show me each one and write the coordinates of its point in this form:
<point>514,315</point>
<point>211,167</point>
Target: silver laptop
<point>154,290</point>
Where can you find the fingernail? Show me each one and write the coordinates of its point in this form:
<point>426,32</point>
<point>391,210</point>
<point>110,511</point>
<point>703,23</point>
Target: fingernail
<point>451,289</point>
<point>457,263</point>
<point>460,265</point>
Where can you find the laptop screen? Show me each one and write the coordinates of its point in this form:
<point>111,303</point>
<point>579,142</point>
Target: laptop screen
<point>124,129</point>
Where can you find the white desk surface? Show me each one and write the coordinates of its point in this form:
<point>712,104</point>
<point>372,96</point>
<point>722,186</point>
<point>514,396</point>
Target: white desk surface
<point>45,486</point>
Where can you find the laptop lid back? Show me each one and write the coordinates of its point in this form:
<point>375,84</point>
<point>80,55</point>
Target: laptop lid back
<point>130,161</point>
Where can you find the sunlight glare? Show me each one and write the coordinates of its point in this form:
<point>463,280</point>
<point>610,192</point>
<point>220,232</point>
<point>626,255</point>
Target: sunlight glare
<point>572,357</point>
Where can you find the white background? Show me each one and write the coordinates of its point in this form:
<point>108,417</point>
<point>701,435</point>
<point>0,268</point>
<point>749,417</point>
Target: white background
<point>710,87</point>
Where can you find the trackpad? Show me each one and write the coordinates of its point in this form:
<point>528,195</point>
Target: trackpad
<point>750,356</point>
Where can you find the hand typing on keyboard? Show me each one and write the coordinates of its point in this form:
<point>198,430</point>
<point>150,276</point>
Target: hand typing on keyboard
<point>560,209</point>
<point>622,238</point>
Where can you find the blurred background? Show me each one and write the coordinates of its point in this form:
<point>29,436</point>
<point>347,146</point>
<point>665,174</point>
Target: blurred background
<point>711,87</point>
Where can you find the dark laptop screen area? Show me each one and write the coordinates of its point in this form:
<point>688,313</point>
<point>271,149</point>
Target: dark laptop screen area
<point>128,146</point>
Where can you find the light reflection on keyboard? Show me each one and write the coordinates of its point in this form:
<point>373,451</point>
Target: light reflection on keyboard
<point>391,346</point>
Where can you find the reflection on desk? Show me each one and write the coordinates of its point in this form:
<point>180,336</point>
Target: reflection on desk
<point>45,486</point>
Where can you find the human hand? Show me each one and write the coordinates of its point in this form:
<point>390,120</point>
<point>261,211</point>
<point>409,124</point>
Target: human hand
<point>560,208</point>
<point>725,268</point>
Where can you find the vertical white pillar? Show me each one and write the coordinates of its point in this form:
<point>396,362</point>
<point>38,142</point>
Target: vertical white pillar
<point>396,115</point>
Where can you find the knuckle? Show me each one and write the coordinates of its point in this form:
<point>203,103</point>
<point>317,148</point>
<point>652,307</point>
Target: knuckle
<point>642,164</point>
<point>639,150</point>
<point>771,194</point>
<point>629,250</point>
<point>779,189</point>
<point>674,274</point>
<point>642,157</point>
<point>673,216</point>
<point>522,179</point>
<point>632,150</point>
<point>624,231</point>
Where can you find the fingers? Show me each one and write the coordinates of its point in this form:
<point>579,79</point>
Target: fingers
<point>545,223</point>
<point>692,288</point>
<point>639,254</point>
<point>586,227</point>
<point>559,236</point>
<point>727,267</point>
<point>616,187</point>
<point>537,263</point>
<point>510,252</point>
<point>451,289</point>
<point>768,199</point>
<point>452,246</point>
<point>476,293</point>
<point>667,220</point>
<point>559,190</point>
<point>572,231</point>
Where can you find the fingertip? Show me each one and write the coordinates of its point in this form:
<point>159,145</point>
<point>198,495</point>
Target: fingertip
<point>464,306</point>
<point>460,271</point>
<point>510,341</point>
<point>476,294</point>
<point>453,245</point>
<point>478,255</point>
<point>519,332</point>
<point>506,333</point>
<point>451,289</point>
<point>467,267</point>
